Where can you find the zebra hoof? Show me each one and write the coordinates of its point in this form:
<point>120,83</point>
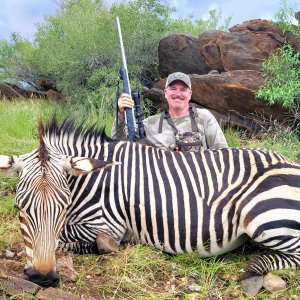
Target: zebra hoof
<point>252,285</point>
<point>106,243</point>
<point>129,237</point>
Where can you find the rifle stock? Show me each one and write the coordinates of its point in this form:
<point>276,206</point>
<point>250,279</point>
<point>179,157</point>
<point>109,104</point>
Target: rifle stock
<point>129,112</point>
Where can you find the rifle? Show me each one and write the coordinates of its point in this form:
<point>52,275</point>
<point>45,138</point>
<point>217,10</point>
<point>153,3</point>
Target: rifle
<point>129,113</point>
<point>139,114</point>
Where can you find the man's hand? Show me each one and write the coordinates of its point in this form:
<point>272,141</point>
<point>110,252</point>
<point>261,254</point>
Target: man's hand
<point>124,101</point>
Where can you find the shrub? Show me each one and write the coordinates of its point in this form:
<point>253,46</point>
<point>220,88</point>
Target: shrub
<point>281,78</point>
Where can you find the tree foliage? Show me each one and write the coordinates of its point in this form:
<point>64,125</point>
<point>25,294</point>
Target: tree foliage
<point>17,60</point>
<point>79,46</point>
<point>284,19</point>
<point>189,25</point>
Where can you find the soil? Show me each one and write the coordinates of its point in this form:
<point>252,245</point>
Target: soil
<point>13,267</point>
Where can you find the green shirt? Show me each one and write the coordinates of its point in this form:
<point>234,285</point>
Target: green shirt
<point>209,129</point>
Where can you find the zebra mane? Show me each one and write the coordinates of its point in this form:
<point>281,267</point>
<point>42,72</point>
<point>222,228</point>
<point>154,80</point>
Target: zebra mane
<point>43,153</point>
<point>54,132</point>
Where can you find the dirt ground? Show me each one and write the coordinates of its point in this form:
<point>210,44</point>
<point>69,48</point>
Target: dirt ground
<point>13,267</point>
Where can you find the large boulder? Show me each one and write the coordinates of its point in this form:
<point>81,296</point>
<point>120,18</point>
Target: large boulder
<point>243,50</point>
<point>7,92</point>
<point>267,26</point>
<point>12,91</point>
<point>245,47</point>
<point>180,52</point>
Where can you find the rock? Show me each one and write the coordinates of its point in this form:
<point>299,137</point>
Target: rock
<point>55,294</point>
<point>56,97</point>
<point>13,91</point>
<point>255,25</point>
<point>267,26</point>
<point>180,52</point>
<point>156,95</point>
<point>194,288</point>
<point>245,47</point>
<point>9,254</point>
<point>252,285</point>
<point>241,50</point>
<point>232,93</point>
<point>7,92</point>
<point>17,287</point>
<point>273,283</point>
<point>64,266</point>
<point>47,83</point>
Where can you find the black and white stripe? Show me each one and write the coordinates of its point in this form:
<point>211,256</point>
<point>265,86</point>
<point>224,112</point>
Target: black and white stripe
<point>209,201</point>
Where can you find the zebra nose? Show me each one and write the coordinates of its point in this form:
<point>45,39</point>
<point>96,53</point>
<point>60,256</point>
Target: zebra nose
<point>51,279</point>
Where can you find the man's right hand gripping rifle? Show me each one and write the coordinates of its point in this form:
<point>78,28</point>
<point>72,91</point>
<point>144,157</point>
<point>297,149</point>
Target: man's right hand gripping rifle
<point>124,101</point>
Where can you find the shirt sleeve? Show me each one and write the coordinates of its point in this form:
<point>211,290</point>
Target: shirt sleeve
<point>213,133</point>
<point>119,132</point>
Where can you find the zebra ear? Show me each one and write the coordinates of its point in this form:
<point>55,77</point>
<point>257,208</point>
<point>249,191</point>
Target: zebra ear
<point>10,165</point>
<point>83,165</point>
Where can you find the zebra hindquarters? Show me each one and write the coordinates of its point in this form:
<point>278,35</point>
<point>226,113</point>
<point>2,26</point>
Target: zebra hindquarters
<point>271,218</point>
<point>281,236</point>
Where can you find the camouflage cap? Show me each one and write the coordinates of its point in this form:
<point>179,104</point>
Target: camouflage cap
<point>179,76</point>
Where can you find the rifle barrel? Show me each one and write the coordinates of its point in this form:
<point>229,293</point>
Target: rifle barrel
<point>123,54</point>
<point>129,113</point>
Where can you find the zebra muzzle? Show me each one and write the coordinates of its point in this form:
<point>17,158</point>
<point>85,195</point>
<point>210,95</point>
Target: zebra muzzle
<point>50,279</point>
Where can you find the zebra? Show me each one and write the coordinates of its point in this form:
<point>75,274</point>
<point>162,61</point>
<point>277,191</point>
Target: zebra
<point>85,192</point>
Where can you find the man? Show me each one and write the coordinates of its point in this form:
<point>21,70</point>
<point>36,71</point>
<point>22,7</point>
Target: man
<point>181,127</point>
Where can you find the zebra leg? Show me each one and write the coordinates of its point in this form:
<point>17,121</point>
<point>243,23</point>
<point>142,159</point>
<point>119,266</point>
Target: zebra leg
<point>129,237</point>
<point>106,243</point>
<point>252,279</point>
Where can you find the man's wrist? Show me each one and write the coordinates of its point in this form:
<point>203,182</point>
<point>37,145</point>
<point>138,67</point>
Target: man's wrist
<point>121,117</point>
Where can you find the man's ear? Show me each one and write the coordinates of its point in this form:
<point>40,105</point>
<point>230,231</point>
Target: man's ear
<point>10,165</point>
<point>83,165</point>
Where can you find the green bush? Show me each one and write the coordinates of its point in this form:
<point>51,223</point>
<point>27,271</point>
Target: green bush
<point>281,74</point>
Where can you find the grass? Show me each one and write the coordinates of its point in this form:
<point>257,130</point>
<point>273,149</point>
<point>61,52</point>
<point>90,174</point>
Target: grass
<point>135,271</point>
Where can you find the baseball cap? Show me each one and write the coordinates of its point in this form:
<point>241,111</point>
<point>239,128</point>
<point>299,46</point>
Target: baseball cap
<point>179,76</point>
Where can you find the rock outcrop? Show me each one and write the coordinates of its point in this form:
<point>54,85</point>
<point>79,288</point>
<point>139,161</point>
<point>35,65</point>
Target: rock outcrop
<point>225,69</point>
<point>12,91</point>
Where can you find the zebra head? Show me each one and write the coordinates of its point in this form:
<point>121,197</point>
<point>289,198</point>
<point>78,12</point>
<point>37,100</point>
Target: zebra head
<point>42,197</point>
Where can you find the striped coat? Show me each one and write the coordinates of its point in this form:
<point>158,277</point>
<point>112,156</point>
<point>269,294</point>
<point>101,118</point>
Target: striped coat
<point>209,202</point>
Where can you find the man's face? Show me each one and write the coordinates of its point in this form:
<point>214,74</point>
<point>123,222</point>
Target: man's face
<point>178,95</point>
